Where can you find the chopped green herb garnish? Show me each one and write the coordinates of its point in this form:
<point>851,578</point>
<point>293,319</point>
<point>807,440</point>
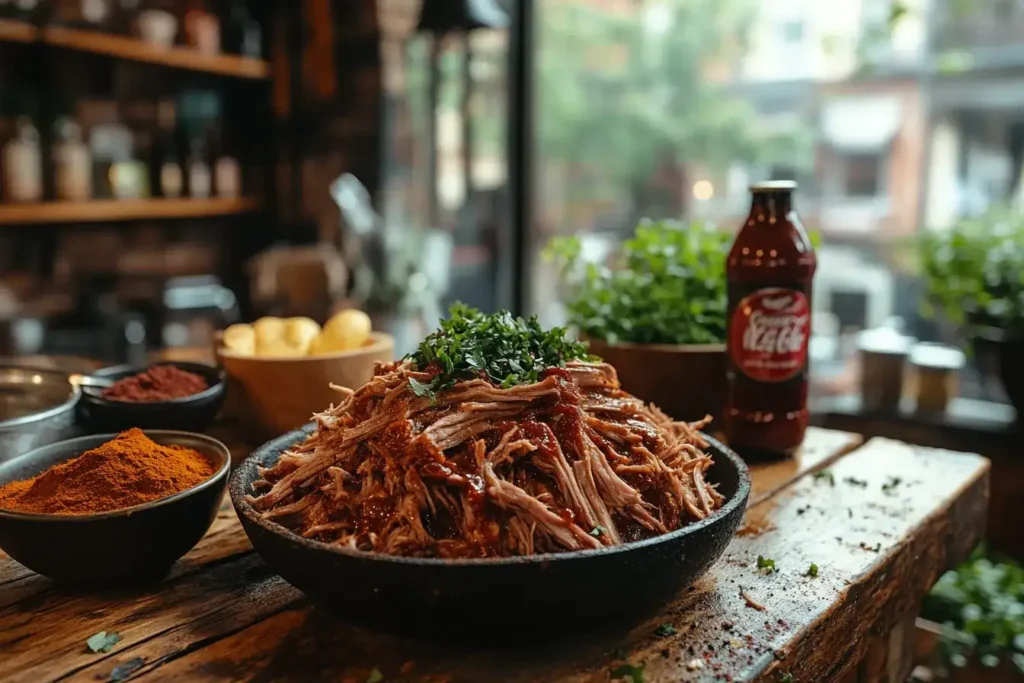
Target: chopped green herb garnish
<point>854,481</point>
<point>375,676</point>
<point>889,486</point>
<point>634,672</point>
<point>497,347</point>
<point>665,630</point>
<point>598,531</point>
<point>825,475</point>
<point>766,564</point>
<point>786,678</point>
<point>812,571</point>
<point>103,641</point>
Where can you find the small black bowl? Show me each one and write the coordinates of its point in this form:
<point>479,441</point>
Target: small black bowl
<point>112,549</point>
<point>192,413</point>
<point>426,596</point>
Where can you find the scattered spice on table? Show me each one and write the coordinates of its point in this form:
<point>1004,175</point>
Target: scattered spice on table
<point>103,641</point>
<point>128,470</point>
<point>156,384</point>
<point>812,571</point>
<point>751,602</point>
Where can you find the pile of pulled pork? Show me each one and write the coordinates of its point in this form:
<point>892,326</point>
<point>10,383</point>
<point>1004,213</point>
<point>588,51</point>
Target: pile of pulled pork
<point>570,462</point>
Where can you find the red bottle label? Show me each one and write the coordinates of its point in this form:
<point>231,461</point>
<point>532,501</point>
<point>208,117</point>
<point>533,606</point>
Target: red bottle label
<point>769,332</point>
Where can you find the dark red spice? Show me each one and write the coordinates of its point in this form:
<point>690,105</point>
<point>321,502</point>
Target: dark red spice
<point>158,383</point>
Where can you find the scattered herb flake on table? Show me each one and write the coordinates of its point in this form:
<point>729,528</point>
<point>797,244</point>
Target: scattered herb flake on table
<point>854,481</point>
<point>633,672</point>
<point>103,641</point>
<point>891,485</point>
<point>825,475</point>
<point>766,564</point>
<point>665,630</point>
<point>812,571</point>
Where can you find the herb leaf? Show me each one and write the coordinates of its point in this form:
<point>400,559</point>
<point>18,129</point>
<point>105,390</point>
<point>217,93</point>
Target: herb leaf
<point>889,486</point>
<point>825,475</point>
<point>634,672</point>
<point>854,481</point>
<point>812,571</point>
<point>766,564</point>
<point>375,676</point>
<point>598,531</point>
<point>103,641</point>
<point>665,630</point>
<point>496,347</point>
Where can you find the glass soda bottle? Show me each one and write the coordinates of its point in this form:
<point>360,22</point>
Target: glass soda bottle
<point>770,268</point>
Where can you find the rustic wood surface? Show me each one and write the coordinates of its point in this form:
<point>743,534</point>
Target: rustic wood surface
<point>223,615</point>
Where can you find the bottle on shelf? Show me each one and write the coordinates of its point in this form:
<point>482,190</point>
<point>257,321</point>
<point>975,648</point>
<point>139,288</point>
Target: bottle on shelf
<point>157,23</point>
<point>242,33</point>
<point>166,177</point>
<point>199,175</point>
<point>23,164</point>
<point>71,163</point>
<point>227,174</point>
<point>202,28</point>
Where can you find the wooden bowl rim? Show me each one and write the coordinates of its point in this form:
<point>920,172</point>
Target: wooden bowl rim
<point>381,341</point>
<point>663,348</point>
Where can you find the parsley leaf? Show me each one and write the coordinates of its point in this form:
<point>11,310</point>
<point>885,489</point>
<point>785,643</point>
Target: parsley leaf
<point>825,475</point>
<point>375,676</point>
<point>598,531</point>
<point>499,348</point>
<point>103,641</point>
<point>665,630</point>
<point>635,673</point>
<point>812,571</point>
<point>786,678</point>
<point>854,481</point>
<point>766,564</point>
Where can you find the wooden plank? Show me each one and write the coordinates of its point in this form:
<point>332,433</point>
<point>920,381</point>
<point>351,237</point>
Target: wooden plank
<point>122,210</point>
<point>136,50</point>
<point>820,449</point>
<point>877,553</point>
<point>13,31</point>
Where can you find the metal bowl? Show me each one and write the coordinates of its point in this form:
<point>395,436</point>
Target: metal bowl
<point>37,407</point>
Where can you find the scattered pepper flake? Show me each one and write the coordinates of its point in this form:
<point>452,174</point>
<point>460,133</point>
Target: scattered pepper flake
<point>854,481</point>
<point>873,548</point>
<point>103,641</point>
<point>890,486</point>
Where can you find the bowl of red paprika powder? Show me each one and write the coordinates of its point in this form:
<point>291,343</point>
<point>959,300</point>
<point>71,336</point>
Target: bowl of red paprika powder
<point>111,510</point>
<point>172,395</point>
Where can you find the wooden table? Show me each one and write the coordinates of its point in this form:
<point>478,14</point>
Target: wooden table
<point>223,615</point>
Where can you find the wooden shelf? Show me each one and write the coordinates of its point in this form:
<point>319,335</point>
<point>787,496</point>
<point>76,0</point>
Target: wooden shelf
<point>103,210</point>
<point>135,50</point>
<point>17,31</point>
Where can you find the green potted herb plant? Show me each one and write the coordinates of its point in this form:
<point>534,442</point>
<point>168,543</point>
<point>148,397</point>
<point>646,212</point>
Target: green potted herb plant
<point>657,312</point>
<point>974,276</point>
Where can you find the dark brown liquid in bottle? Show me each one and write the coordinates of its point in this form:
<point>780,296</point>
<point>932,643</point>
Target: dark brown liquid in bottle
<point>770,268</point>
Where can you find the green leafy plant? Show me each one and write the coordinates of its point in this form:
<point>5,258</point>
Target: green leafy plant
<point>974,272</point>
<point>666,285</point>
<point>981,608</point>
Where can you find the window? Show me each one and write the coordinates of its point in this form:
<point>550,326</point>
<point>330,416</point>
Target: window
<point>881,146</point>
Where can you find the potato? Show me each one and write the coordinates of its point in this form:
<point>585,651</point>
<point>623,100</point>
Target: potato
<point>278,348</point>
<point>299,333</point>
<point>240,339</point>
<point>269,331</point>
<point>345,331</point>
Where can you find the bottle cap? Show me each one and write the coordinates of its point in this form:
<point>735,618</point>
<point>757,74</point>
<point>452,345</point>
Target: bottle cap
<point>774,186</point>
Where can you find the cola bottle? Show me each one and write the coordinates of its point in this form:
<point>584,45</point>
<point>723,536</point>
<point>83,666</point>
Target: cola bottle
<point>770,268</point>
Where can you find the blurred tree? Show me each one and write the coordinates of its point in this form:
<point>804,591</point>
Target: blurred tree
<point>623,98</point>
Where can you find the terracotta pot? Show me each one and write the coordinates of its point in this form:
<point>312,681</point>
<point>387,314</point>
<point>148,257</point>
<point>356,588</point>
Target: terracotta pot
<point>685,381</point>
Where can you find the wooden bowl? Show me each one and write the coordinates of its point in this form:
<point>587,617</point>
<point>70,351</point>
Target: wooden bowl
<point>270,396</point>
<point>686,381</point>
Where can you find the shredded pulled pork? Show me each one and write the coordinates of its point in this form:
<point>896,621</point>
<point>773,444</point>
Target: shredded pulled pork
<point>567,463</point>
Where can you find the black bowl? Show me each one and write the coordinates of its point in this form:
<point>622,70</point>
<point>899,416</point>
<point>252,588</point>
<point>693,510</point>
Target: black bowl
<point>579,589</point>
<point>112,549</point>
<point>192,413</point>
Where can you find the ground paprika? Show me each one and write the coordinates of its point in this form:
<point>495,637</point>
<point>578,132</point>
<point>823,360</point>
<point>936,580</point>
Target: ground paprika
<point>131,469</point>
<point>158,383</point>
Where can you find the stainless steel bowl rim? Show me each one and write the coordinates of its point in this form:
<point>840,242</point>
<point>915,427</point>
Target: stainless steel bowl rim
<point>74,393</point>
